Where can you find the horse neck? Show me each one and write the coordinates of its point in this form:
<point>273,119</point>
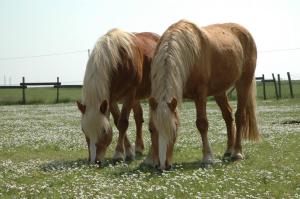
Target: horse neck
<point>166,87</point>
<point>169,72</point>
<point>103,61</point>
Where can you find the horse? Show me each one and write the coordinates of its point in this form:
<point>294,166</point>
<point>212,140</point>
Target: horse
<point>118,70</point>
<point>194,63</point>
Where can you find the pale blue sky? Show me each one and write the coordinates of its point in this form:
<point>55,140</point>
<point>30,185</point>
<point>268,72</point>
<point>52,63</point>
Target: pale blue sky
<point>43,27</point>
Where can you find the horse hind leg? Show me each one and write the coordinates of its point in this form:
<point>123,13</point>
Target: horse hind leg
<point>222,101</point>
<point>138,117</point>
<point>242,89</point>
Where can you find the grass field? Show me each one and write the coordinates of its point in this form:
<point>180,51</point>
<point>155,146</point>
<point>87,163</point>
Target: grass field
<point>43,155</point>
<point>39,95</point>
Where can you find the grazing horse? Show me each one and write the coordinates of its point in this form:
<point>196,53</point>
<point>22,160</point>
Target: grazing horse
<point>195,63</point>
<point>118,70</point>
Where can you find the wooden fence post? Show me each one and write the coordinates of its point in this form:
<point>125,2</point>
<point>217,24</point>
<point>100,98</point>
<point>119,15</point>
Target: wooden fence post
<point>57,90</point>
<point>290,84</point>
<point>23,89</point>
<point>275,85</point>
<point>264,86</point>
<point>279,85</point>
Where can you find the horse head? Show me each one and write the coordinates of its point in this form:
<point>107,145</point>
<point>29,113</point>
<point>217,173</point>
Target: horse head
<point>97,129</point>
<point>164,123</point>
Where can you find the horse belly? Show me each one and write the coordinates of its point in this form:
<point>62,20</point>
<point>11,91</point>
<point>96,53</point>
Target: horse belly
<point>224,77</point>
<point>226,65</point>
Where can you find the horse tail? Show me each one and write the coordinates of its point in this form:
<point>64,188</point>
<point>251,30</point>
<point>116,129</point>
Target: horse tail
<point>251,132</point>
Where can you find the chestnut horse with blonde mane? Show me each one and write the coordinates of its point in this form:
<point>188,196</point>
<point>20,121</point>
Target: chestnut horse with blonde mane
<point>195,63</point>
<point>118,70</point>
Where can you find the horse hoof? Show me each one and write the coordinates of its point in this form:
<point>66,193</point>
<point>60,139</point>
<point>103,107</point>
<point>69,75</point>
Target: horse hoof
<point>118,157</point>
<point>208,160</point>
<point>130,155</point>
<point>148,161</point>
<point>139,150</point>
<point>237,157</point>
<point>138,153</point>
<point>205,165</point>
<point>129,158</point>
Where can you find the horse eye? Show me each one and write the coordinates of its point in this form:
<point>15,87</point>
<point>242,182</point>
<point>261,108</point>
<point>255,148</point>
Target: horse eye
<point>103,131</point>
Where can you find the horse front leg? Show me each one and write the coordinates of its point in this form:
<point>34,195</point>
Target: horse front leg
<point>152,158</point>
<point>123,142</point>
<point>128,148</point>
<point>138,117</point>
<point>202,125</point>
<point>114,109</point>
<point>88,144</point>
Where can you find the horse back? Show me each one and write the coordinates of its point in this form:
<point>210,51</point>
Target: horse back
<point>229,50</point>
<point>133,72</point>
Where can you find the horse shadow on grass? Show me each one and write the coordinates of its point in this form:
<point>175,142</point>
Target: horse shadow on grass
<point>61,165</point>
<point>176,167</point>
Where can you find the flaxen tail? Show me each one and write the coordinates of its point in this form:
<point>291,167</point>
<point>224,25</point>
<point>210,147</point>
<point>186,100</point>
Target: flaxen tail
<point>251,132</point>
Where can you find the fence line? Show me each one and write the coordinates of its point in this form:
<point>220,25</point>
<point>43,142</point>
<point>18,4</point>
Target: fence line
<point>57,84</point>
<point>277,85</point>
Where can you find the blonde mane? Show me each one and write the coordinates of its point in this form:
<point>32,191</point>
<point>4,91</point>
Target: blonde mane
<point>104,59</point>
<point>179,49</point>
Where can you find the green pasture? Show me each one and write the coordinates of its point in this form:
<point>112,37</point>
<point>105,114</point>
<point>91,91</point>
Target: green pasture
<point>43,154</point>
<point>37,95</point>
<point>270,90</point>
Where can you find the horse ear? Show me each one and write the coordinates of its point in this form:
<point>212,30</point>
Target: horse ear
<point>173,104</point>
<point>153,103</point>
<point>81,107</point>
<point>104,107</point>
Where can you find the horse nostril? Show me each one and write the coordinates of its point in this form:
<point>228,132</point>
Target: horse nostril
<point>168,167</point>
